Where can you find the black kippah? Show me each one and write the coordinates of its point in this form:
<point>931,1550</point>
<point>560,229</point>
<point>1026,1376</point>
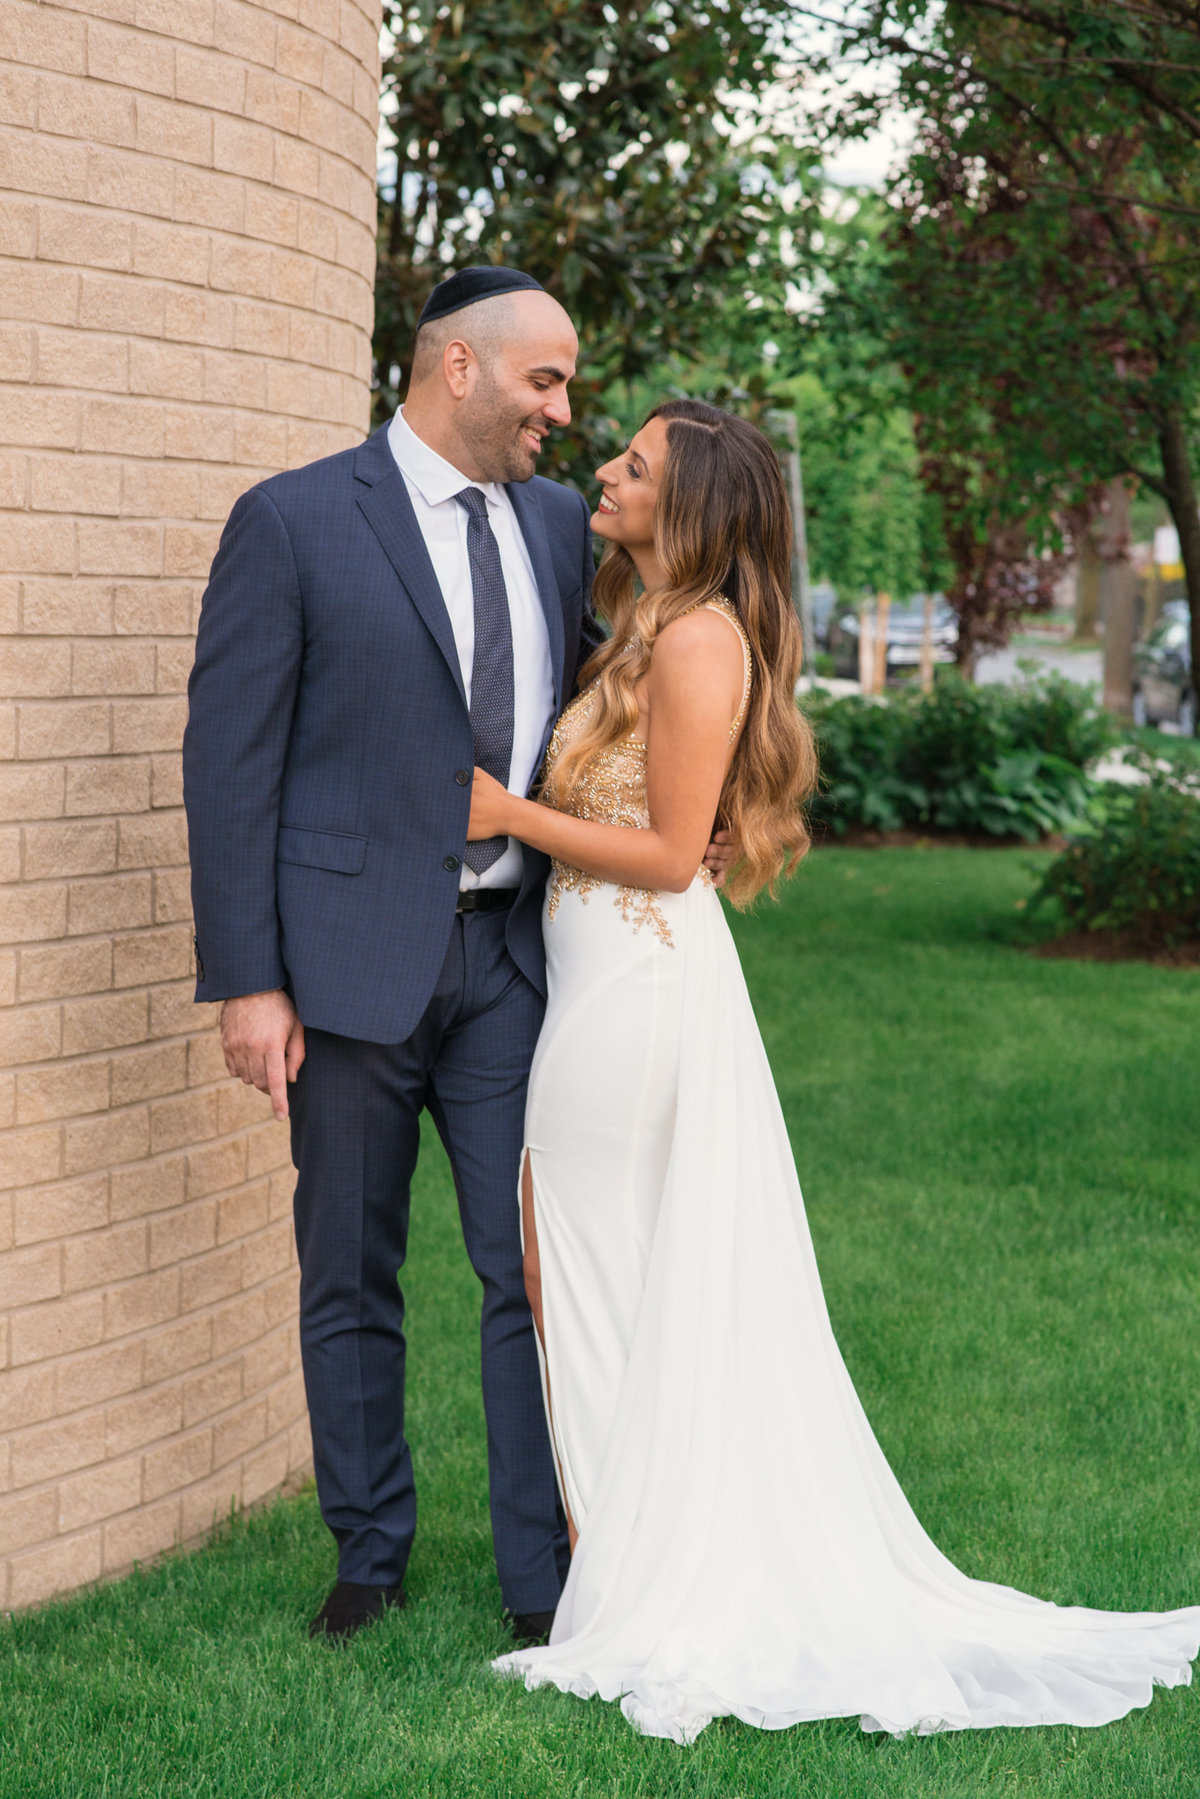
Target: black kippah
<point>483,282</point>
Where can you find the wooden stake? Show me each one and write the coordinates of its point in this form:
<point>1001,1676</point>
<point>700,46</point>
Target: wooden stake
<point>866,648</point>
<point>883,607</point>
<point>926,664</point>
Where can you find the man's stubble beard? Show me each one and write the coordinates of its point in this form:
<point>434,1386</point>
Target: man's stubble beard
<point>489,429</point>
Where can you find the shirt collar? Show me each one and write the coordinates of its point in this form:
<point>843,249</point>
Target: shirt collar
<point>435,479</point>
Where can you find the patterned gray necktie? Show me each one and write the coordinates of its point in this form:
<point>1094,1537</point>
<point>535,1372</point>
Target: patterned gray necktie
<point>492,670</point>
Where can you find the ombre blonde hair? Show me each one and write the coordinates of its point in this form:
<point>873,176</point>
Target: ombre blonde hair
<point>722,526</point>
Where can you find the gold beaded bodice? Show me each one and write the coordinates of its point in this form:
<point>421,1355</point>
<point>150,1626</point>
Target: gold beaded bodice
<point>612,791</point>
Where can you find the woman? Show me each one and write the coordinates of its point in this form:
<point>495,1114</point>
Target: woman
<point>740,1545</point>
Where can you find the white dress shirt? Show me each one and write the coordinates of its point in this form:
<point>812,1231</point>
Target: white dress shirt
<point>432,483</point>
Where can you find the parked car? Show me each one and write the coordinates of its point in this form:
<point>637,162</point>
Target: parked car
<point>905,629</point>
<point>1163,688</point>
<point>823,600</point>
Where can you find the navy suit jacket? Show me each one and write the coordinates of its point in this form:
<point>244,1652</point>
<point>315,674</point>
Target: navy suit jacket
<point>328,748</point>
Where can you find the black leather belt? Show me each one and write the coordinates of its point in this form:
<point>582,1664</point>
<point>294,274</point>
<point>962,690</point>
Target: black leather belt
<point>486,899</point>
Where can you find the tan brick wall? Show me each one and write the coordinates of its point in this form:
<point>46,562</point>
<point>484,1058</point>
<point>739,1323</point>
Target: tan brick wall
<point>187,214</point>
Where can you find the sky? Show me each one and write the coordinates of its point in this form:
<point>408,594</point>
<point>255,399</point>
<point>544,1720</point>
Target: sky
<point>866,163</point>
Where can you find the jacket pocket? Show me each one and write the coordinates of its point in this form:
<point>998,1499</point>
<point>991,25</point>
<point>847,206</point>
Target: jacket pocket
<point>337,850</point>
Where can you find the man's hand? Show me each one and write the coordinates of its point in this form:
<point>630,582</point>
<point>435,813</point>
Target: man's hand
<point>720,856</point>
<point>263,1042</point>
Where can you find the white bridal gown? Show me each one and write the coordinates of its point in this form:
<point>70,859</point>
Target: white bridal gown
<point>744,1548</point>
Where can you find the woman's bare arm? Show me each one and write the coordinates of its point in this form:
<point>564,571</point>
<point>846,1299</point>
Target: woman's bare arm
<point>694,690</point>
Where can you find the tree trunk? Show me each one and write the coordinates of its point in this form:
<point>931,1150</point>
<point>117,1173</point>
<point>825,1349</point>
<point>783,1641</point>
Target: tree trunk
<point>1118,597</point>
<point>1118,586</point>
<point>1087,588</point>
<point>1181,498</point>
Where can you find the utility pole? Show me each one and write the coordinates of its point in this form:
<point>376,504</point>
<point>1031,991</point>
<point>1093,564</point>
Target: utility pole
<point>801,591</point>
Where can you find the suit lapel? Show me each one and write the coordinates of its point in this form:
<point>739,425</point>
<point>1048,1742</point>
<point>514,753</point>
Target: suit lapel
<point>383,500</point>
<point>528,507</point>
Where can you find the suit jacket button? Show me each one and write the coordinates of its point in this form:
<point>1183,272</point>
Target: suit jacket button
<point>451,865</point>
<point>463,777</point>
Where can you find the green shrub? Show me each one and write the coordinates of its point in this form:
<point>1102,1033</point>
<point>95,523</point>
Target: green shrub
<point>1137,870</point>
<point>1057,715</point>
<point>998,761</point>
<point>1023,794</point>
<point>859,746</point>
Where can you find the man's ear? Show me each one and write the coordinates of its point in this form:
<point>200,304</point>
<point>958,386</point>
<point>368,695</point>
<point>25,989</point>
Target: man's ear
<point>457,363</point>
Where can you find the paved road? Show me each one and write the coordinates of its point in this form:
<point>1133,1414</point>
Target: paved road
<point>1077,665</point>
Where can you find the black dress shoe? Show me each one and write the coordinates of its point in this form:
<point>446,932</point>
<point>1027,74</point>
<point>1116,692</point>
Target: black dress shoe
<point>530,1628</point>
<point>350,1606</point>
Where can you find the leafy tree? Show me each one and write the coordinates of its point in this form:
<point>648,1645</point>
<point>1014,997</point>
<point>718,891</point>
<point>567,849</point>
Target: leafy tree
<point>1043,280</point>
<point>869,524</point>
<point>591,143</point>
<point>872,525</point>
<point>613,151</point>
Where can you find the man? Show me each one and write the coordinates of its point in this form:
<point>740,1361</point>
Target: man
<point>375,625</point>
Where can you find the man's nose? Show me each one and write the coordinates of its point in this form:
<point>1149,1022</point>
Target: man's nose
<point>557,408</point>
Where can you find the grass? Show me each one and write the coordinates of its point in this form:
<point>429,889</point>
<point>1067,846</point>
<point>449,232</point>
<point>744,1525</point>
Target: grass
<point>999,1158</point>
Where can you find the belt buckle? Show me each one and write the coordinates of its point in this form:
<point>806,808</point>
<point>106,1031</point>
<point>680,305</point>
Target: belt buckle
<point>485,899</point>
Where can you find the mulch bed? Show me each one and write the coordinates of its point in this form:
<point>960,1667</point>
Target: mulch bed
<point>1117,946</point>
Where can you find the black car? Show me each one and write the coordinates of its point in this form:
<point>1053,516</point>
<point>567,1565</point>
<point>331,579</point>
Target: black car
<point>905,630</point>
<point>822,600</point>
<point>1163,689</point>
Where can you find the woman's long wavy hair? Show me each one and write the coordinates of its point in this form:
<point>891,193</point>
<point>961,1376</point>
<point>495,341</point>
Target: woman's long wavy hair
<point>722,525</point>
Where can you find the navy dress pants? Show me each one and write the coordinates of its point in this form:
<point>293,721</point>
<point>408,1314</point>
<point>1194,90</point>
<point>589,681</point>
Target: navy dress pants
<point>356,1111</point>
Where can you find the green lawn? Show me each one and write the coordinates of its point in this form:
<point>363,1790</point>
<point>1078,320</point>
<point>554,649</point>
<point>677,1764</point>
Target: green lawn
<point>999,1155</point>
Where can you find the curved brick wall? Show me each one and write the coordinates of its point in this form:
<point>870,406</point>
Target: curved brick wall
<point>187,211</point>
